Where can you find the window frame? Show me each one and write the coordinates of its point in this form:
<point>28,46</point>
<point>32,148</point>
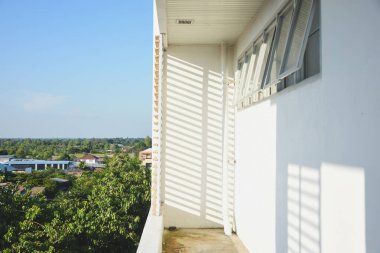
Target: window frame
<point>254,56</point>
<point>256,49</point>
<point>284,73</point>
<point>290,5</point>
<point>238,79</point>
<point>243,73</point>
<point>252,86</point>
<point>260,80</point>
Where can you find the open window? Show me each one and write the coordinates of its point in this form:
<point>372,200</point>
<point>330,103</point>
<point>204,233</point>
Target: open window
<point>312,60</point>
<point>298,36</point>
<point>250,59</point>
<point>264,55</point>
<point>287,52</point>
<point>252,64</point>
<point>237,81</point>
<point>284,19</point>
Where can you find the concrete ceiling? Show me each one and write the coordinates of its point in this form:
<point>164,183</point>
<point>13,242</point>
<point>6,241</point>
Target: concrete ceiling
<point>215,21</point>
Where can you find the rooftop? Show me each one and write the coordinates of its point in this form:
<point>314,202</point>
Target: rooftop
<point>32,162</point>
<point>89,157</point>
<point>146,151</point>
<point>7,156</point>
<point>36,190</point>
<point>59,180</point>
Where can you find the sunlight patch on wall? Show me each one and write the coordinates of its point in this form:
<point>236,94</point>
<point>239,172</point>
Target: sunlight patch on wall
<point>343,213</point>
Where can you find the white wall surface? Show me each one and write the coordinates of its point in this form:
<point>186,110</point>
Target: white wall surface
<point>192,160</point>
<point>307,172</point>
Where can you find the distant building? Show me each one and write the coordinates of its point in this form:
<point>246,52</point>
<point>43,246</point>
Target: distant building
<point>145,157</point>
<point>17,189</point>
<point>6,168</point>
<point>63,184</point>
<point>36,190</point>
<point>89,159</point>
<point>20,189</point>
<point>5,184</point>
<point>75,173</point>
<point>6,158</point>
<point>23,164</point>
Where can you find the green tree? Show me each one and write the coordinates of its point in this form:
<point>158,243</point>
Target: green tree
<point>103,212</point>
<point>82,165</point>
<point>148,142</point>
<point>64,157</point>
<point>20,153</point>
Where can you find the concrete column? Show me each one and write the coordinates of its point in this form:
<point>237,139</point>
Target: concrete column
<point>225,197</point>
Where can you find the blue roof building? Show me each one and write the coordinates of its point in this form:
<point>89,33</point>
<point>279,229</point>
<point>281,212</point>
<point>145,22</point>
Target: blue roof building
<point>22,164</point>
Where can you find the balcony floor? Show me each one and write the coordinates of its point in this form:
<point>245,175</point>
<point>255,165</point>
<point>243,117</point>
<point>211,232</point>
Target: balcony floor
<point>201,241</point>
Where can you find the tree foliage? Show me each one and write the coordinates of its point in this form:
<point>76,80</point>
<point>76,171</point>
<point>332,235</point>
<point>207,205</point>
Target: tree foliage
<point>148,141</point>
<point>61,149</point>
<point>102,212</point>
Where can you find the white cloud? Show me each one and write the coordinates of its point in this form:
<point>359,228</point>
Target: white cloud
<point>40,102</point>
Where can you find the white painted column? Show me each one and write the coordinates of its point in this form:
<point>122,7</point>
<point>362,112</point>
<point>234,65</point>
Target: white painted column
<point>225,198</point>
<point>35,166</point>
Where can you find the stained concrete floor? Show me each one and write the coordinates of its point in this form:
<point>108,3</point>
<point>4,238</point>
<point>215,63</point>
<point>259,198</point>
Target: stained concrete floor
<point>201,241</point>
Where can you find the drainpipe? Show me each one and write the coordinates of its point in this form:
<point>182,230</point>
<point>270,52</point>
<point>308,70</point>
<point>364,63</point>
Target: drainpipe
<point>225,200</point>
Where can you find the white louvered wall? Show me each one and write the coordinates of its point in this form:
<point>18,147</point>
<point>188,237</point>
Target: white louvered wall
<point>157,126</point>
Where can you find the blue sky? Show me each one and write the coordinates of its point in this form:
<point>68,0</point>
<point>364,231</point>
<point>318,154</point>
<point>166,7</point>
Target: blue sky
<point>75,68</point>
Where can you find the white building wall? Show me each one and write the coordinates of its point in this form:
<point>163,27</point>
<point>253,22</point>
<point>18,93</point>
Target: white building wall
<point>192,159</point>
<point>307,168</point>
<point>4,160</point>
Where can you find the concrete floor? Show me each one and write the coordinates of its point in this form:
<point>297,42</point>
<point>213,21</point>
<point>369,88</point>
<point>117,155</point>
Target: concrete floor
<point>201,241</point>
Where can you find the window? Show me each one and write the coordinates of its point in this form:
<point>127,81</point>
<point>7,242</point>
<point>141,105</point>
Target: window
<point>256,52</point>
<point>264,53</point>
<point>248,64</point>
<point>237,80</point>
<point>311,62</point>
<point>252,64</point>
<point>283,20</point>
<point>286,53</point>
<point>298,36</point>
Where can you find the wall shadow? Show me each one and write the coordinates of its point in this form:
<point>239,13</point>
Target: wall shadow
<point>193,120</point>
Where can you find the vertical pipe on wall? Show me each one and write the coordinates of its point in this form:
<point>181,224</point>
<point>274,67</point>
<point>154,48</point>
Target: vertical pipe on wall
<point>225,200</point>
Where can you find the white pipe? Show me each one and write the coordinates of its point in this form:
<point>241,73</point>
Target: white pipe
<point>225,200</point>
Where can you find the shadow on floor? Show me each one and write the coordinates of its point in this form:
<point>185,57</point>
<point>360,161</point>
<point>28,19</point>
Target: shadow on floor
<point>201,241</point>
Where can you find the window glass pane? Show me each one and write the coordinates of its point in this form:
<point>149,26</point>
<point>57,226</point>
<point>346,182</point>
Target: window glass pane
<point>263,58</point>
<point>250,72</point>
<point>282,32</point>
<point>316,23</point>
<point>237,81</point>
<point>242,79</point>
<point>312,57</point>
<point>298,35</point>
